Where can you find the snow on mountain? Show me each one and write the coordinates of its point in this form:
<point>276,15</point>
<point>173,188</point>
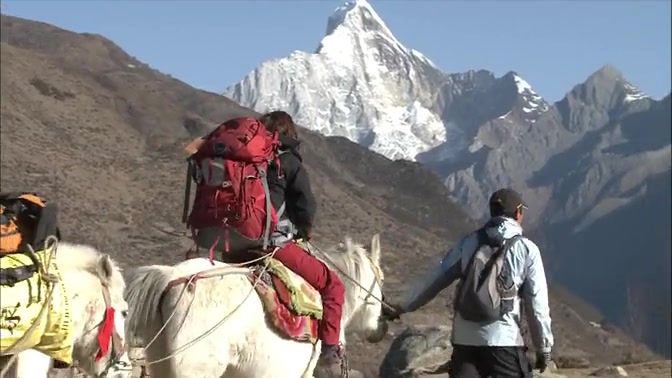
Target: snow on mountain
<point>363,84</point>
<point>535,104</point>
<point>633,93</point>
<point>478,131</point>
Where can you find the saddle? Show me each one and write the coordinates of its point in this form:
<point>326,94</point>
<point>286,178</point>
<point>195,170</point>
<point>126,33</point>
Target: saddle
<point>292,307</point>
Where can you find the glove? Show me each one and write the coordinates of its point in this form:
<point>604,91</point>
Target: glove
<point>543,361</point>
<point>391,311</point>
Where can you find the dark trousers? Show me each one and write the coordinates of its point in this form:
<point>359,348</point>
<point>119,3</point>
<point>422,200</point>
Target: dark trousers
<point>489,362</point>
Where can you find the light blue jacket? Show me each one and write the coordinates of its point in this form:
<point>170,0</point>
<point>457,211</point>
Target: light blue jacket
<point>526,266</point>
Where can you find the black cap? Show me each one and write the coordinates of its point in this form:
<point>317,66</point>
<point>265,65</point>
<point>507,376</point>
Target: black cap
<point>506,201</point>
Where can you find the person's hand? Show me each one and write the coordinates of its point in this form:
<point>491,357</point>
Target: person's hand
<point>543,361</point>
<point>391,311</point>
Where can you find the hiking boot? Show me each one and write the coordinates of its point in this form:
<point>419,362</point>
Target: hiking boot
<point>333,364</point>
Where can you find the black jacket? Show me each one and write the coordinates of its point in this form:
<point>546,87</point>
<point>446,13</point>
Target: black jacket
<point>292,186</point>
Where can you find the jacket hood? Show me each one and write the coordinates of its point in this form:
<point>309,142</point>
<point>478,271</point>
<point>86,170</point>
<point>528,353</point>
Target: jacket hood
<point>290,144</point>
<point>499,228</point>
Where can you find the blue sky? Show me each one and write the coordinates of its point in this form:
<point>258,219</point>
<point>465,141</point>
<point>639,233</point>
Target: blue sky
<point>552,44</point>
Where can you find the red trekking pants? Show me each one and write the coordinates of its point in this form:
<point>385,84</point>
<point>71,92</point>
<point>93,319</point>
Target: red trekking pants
<point>325,281</point>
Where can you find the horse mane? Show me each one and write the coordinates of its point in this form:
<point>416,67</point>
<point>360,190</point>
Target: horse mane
<point>80,257</point>
<point>348,257</point>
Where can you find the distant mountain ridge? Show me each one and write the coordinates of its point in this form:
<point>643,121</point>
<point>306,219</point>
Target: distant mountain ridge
<point>577,161</point>
<point>109,131</point>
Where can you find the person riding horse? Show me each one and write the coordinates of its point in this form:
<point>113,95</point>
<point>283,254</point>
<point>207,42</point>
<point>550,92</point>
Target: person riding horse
<point>292,197</point>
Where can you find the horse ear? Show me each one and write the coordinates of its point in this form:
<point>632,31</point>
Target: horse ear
<point>375,248</point>
<point>105,269</point>
<point>349,244</point>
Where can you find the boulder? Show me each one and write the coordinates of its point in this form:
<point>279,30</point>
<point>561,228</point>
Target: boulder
<point>424,351</point>
<point>419,350</point>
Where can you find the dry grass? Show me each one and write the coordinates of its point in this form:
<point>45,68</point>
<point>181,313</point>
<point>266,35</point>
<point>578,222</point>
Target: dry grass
<point>101,134</point>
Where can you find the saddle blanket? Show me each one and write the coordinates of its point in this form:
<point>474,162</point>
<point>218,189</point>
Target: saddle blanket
<point>22,303</point>
<point>292,307</point>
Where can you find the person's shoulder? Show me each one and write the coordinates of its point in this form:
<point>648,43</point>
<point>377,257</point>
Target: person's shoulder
<point>530,248</point>
<point>290,161</point>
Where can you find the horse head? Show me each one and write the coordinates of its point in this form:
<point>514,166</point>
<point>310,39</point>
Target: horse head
<point>363,278</point>
<point>95,287</point>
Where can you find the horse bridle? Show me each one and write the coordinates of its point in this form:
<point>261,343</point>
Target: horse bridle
<point>378,279</point>
<point>118,346</point>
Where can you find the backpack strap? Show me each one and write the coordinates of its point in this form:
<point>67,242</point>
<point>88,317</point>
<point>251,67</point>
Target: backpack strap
<point>267,192</point>
<point>507,245</point>
<point>47,226</point>
<point>483,239</point>
<point>281,210</point>
<point>187,190</point>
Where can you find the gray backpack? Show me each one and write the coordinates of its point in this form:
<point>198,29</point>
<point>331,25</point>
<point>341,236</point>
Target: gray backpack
<point>486,292</point>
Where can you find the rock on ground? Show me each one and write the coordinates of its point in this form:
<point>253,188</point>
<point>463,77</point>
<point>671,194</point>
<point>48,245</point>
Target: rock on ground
<point>417,351</point>
<point>423,350</point>
<point>610,371</point>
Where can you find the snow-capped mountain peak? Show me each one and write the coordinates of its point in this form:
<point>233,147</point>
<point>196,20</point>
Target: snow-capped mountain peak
<point>633,93</point>
<point>533,104</point>
<point>357,16</point>
<point>355,26</point>
<point>361,83</point>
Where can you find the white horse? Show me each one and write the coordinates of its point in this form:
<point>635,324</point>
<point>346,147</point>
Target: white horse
<point>93,283</point>
<point>218,329</point>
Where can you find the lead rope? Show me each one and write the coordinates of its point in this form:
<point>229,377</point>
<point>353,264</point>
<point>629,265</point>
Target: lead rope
<point>326,257</point>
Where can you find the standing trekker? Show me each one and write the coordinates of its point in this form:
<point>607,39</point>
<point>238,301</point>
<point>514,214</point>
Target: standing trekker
<point>495,266</point>
<point>285,209</point>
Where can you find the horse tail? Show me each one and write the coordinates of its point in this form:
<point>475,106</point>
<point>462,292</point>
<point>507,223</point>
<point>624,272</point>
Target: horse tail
<point>143,294</point>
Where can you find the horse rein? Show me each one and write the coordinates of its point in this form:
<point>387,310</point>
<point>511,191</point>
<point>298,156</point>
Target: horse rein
<point>377,273</point>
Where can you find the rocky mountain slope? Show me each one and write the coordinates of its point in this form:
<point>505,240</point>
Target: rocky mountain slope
<point>101,134</point>
<point>582,159</point>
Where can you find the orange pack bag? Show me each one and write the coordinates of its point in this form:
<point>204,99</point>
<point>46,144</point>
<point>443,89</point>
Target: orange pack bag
<point>25,219</point>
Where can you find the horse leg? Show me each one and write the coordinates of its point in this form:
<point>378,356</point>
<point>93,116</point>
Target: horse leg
<point>186,339</point>
<point>8,371</point>
<point>154,364</point>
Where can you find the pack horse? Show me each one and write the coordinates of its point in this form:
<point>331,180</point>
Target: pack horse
<point>258,321</point>
<point>60,301</point>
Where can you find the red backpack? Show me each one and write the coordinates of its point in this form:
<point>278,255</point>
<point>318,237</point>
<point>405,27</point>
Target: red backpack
<point>229,167</point>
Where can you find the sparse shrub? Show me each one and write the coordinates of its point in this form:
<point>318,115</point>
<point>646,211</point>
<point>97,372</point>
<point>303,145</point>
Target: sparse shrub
<point>49,90</point>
